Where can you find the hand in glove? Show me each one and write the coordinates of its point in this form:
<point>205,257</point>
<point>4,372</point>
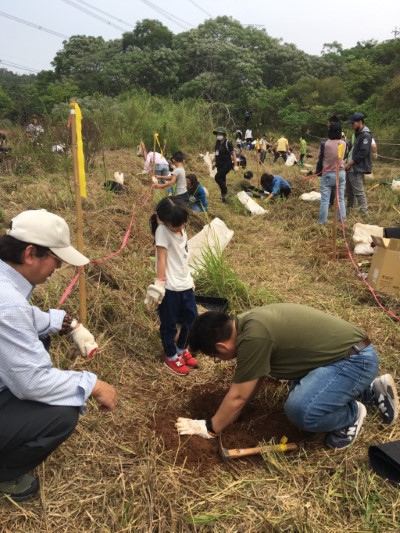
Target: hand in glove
<point>84,340</point>
<point>155,294</point>
<point>187,426</point>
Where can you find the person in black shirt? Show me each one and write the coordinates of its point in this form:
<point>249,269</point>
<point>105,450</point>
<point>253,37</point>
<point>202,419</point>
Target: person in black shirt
<point>224,160</point>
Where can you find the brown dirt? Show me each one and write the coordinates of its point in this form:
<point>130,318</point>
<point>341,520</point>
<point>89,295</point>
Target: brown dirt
<point>256,423</point>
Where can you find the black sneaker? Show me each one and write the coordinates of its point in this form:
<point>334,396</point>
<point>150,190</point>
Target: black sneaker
<point>385,397</point>
<point>342,438</point>
<point>20,489</point>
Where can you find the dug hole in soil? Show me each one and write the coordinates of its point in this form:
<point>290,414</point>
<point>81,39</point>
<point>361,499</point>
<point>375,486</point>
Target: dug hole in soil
<point>257,422</point>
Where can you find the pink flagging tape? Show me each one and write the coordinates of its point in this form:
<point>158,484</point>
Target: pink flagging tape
<point>68,290</point>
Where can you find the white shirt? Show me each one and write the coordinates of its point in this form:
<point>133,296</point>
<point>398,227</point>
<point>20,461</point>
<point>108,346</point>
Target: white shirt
<point>178,274</point>
<point>248,134</point>
<point>154,158</point>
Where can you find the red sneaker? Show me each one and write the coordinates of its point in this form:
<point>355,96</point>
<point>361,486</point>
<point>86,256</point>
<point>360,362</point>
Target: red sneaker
<point>177,367</point>
<point>188,359</point>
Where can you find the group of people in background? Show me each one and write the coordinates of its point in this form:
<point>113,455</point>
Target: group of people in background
<point>354,161</point>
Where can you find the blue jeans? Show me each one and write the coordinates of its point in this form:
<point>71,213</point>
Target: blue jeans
<point>197,207</point>
<point>325,399</point>
<point>162,170</point>
<point>176,308</point>
<point>328,182</point>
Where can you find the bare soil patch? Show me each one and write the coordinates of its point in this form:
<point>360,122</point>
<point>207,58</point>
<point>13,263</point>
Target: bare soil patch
<point>257,423</point>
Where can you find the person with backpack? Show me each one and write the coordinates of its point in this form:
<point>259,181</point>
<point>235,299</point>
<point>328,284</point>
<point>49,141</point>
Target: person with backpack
<point>224,160</point>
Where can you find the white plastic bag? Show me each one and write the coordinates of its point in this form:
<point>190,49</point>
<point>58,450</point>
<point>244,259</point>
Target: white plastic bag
<point>312,196</point>
<point>215,235</point>
<point>362,237</point>
<point>250,204</point>
<point>396,185</point>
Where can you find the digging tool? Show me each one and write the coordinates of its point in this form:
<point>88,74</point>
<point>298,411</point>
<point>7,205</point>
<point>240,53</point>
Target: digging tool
<point>235,453</point>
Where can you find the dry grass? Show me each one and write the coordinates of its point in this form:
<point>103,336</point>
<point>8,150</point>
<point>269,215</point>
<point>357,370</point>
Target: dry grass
<point>115,473</point>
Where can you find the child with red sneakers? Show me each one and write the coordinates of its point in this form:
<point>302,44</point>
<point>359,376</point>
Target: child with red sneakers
<point>172,291</point>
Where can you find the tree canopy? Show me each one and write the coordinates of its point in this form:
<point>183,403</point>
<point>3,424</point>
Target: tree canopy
<point>220,61</point>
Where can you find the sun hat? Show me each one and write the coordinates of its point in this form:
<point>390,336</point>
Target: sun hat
<point>38,226</point>
<point>220,129</point>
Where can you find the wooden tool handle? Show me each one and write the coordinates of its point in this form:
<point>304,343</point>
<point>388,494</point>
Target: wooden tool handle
<point>244,452</point>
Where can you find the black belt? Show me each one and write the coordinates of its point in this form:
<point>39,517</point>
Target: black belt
<point>356,348</point>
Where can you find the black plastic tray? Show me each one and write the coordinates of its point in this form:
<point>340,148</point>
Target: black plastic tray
<point>212,303</point>
<point>391,233</point>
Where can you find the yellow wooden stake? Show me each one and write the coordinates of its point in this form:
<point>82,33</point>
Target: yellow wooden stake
<point>79,218</point>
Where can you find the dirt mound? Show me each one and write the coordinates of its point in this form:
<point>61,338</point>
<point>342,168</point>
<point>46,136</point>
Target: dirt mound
<point>256,423</point>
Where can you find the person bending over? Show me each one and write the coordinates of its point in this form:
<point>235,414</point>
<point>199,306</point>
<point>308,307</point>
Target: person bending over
<point>330,364</point>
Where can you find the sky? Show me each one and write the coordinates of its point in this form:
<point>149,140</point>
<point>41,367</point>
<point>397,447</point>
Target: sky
<point>306,23</point>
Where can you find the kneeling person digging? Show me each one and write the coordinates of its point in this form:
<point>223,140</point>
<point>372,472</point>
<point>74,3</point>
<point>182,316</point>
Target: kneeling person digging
<point>331,366</point>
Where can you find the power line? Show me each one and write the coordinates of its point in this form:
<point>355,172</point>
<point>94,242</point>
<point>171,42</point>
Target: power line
<point>21,67</point>
<point>182,23</point>
<point>87,12</point>
<point>201,9</point>
<point>16,19</point>
<point>94,8</point>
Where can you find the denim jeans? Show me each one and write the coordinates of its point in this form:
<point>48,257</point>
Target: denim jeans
<point>177,307</point>
<point>162,170</point>
<point>325,399</point>
<point>328,182</point>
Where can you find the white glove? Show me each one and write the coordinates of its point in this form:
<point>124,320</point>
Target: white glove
<point>236,168</point>
<point>187,426</point>
<point>84,340</point>
<point>154,179</point>
<point>155,294</point>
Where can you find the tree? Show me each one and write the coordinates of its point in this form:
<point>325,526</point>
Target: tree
<point>151,34</point>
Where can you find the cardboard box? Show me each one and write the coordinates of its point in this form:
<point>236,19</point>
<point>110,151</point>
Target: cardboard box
<point>384,273</point>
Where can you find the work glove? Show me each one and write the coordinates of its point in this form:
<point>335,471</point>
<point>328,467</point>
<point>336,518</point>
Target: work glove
<point>155,294</point>
<point>84,341</point>
<point>187,426</point>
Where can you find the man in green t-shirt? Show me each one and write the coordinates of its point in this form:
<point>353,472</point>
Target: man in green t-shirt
<point>330,363</point>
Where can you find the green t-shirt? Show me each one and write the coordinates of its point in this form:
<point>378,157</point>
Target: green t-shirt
<point>286,341</point>
<point>245,185</point>
<point>303,146</point>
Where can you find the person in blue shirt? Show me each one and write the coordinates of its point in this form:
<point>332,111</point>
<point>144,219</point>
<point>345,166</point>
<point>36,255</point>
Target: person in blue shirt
<point>197,194</point>
<point>39,404</point>
<point>275,186</point>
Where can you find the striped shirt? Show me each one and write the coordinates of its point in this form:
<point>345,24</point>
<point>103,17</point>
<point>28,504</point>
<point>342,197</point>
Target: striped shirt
<point>25,366</point>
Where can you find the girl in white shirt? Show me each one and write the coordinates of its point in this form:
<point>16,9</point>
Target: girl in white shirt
<point>174,282</point>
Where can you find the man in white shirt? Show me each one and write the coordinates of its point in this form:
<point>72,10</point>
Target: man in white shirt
<point>39,404</point>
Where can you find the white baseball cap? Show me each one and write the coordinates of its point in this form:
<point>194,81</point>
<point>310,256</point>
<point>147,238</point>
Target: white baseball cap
<point>38,226</point>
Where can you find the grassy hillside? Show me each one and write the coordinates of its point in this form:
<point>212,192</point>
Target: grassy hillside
<point>129,471</point>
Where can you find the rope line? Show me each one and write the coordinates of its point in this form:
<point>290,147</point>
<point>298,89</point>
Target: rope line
<point>71,285</point>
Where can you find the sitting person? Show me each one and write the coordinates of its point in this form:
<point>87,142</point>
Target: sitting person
<point>246,184</point>
<point>275,186</point>
<point>197,194</point>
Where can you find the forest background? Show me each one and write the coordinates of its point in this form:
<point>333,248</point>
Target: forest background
<point>229,67</point>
